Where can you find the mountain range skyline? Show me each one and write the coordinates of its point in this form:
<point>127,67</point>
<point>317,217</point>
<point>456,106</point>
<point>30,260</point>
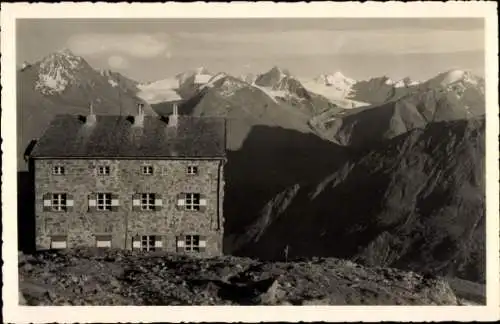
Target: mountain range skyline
<point>301,146</point>
<point>151,50</point>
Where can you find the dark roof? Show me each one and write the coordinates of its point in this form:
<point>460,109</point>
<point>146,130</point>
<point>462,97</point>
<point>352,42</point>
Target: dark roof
<point>68,136</point>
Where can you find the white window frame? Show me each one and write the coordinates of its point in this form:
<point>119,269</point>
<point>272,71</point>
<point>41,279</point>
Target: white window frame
<point>58,170</point>
<point>59,201</point>
<point>192,169</point>
<point>103,170</point>
<point>103,201</point>
<point>147,169</point>
<point>190,202</point>
<point>148,243</point>
<point>148,201</point>
<point>189,243</point>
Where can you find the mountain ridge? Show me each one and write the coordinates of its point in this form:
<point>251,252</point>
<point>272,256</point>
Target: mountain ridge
<point>423,205</point>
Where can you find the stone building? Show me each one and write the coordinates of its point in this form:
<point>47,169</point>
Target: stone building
<point>131,182</point>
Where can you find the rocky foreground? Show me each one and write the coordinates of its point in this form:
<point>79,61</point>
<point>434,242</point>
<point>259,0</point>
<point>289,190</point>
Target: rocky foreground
<point>115,277</point>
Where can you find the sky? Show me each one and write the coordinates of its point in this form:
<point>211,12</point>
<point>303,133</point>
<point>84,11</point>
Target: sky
<point>360,48</point>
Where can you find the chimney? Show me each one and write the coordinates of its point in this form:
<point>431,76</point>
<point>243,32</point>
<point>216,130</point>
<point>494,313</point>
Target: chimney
<point>91,118</point>
<point>173,118</point>
<point>139,119</point>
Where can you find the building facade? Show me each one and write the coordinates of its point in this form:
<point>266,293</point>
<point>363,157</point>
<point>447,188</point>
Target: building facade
<point>145,183</point>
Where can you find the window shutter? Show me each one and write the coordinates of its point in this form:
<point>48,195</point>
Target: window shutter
<point>181,244</point>
<point>158,202</point>
<point>115,202</point>
<point>69,202</point>
<point>181,201</point>
<point>203,203</point>
<point>136,242</point>
<point>203,243</point>
<point>47,202</point>
<point>158,242</point>
<point>136,202</point>
<point>92,202</point>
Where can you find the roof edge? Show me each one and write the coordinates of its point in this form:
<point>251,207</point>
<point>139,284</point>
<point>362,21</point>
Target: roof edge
<point>221,157</point>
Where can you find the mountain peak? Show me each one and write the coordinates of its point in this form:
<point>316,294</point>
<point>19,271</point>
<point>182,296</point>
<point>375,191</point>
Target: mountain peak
<point>456,75</point>
<point>65,51</point>
<point>336,79</point>
<point>201,70</point>
<point>457,80</point>
<point>279,71</point>
<point>58,70</point>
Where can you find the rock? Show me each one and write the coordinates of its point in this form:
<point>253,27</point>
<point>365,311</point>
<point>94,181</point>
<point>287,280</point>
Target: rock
<point>271,294</point>
<point>27,267</point>
<point>332,282</point>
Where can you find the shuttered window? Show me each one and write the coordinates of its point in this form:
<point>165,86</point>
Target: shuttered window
<point>191,201</point>
<point>103,202</point>
<point>191,243</point>
<point>147,242</point>
<point>59,202</point>
<point>146,202</point>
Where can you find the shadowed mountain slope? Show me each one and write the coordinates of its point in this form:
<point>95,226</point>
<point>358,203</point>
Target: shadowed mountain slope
<point>415,202</point>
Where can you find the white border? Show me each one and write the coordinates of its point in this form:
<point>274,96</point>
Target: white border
<point>18,314</point>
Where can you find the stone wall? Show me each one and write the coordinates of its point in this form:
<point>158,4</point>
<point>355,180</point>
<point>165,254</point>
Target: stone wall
<point>125,179</point>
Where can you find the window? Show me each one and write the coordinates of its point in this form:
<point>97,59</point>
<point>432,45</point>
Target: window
<point>147,169</point>
<point>192,170</point>
<point>192,243</point>
<point>103,241</point>
<point>58,242</point>
<point>58,170</point>
<point>103,170</point>
<point>147,243</point>
<point>103,201</point>
<point>59,202</point>
<point>147,201</point>
<point>193,201</point>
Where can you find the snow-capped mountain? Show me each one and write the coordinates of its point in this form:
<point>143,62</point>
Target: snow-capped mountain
<point>336,87</point>
<point>457,80</point>
<point>190,81</point>
<point>282,85</point>
<point>337,80</point>
<point>406,82</point>
<point>64,83</point>
<point>350,93</point>
<point>248,77</point>
<point>197,76</point>
<point>453,95</point>
<point>58,71</point>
